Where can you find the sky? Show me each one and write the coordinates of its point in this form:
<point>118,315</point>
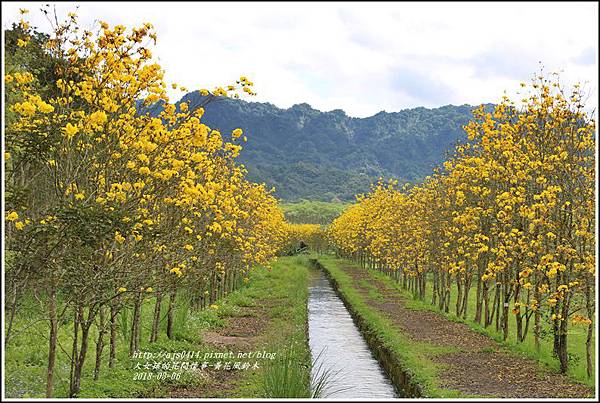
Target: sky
<point>359,57</point>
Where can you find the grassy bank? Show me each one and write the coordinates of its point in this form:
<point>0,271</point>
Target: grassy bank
<point>414,356</point>
<point>283,289</point>
<point>288,375</point>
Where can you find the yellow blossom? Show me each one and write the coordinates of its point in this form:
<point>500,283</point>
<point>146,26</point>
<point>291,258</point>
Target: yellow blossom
<point>70,130</point>
<point>119,238</point>
<point>98,118</point>
<point>236,133</point>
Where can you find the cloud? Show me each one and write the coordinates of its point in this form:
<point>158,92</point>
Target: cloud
<point>504,61</point>
<point>423,88</point>
<point>587,57</point>
<point>359,57</point>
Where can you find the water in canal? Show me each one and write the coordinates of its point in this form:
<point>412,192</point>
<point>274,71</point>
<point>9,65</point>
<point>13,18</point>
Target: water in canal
<point>334,336</point>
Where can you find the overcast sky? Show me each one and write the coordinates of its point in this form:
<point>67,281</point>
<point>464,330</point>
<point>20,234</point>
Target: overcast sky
<point>362,58</point>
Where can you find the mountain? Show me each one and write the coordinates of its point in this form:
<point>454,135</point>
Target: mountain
<point>308,154</point>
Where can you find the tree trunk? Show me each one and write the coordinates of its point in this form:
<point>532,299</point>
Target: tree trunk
<point>170,314</point>
<point>588,350</point>
<point>479,297</point>
<point>448,292</point>
<point>526,330</point>
<point>465,304</point>
<point>76,383</point>
<point>13,311</point>
<point>563,357</point>
<point>459,291</point>
<point>113,336</point>
<point>78,367</point>
<point>213,288</point>
<point>52,342</point>
<point>505,310</point>
<point>156,319</point>
<point>435,288</point>
<point>74,356</point>
<point>134,341</point>
<point>487,320</point>
<point>519,321</point>
<point>588,341</point>
<point>442,291</point>
<point>537,317</point>
<point>497,303</point>
<point>555,332</point>
<point>518,316</point>
<point>99,344</point>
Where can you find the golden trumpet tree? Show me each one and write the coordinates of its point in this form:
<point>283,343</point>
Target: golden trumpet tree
<point>108,203</point>
<point>512,212</point>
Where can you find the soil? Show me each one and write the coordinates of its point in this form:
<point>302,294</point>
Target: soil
<point>480,366</point>
<point>241,333</point>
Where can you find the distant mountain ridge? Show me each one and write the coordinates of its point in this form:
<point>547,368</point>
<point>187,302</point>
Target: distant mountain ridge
<point>308,154</point>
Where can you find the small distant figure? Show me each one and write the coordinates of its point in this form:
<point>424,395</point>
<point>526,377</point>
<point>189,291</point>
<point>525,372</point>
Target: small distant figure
<point>302,248</point>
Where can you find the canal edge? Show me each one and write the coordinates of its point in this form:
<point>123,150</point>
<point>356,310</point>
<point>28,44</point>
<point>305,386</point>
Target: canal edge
<point>399,375</point>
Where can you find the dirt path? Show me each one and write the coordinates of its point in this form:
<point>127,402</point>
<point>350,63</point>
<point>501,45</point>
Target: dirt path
<point>241,333</point>
<point>480,366</point>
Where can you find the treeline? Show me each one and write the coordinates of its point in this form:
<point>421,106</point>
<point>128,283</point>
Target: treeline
<point>510,217</point>
<point>107,205</point>
<point>313,212</point>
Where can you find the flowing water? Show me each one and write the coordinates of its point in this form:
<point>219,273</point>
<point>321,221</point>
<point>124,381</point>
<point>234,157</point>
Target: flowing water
<point>339,346</point>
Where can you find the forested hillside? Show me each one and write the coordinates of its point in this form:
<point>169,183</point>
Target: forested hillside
<point>309,154</point>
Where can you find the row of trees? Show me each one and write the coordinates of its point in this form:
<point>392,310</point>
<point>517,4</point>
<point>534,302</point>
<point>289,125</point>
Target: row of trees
<point>509,217</point>
<point>107,204</point>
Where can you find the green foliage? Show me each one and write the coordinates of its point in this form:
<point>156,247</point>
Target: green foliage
<point>124,324</point>
<point>313,212</point>
<point>181,313</point>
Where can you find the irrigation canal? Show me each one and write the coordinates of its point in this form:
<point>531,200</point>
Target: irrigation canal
<point>338,347</point>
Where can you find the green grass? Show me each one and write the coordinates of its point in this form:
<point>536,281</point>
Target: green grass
<point>26,354</point>
<point>286,376</point>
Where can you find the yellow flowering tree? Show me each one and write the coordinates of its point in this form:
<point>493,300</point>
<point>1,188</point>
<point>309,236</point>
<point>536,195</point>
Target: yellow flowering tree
<point>111,201</point>
<point>512,212</point>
